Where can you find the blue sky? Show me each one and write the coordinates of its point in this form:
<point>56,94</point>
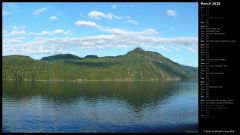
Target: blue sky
<point>104,29</point>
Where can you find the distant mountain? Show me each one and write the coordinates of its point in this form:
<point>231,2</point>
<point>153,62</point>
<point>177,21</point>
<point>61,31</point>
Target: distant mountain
<point>135,65</point>
<point>61,57</point>
<point>91,56</point>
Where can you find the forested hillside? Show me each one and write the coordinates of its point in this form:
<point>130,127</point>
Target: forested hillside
<point>135,65</point>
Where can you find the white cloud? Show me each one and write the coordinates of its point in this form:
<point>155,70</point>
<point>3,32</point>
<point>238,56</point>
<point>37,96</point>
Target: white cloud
<point>114,6</point>
<point>132,21</point>
<point>4,12</point>
<point>99,15</point>
<point>116,17</point>
<point>88,24</point>
<point>186,41</point>
<point>114,38</point>
<point>14,27</point>
<point>60,31</point>
<point>53,18</point>
<point>117,38</point>
<point>39,11</point>
<point>171,13</point>
<point>53,32</point>
<point>12,41</point>
<point>85,23</point>
<point>117,31</point>
<point>16,30</point>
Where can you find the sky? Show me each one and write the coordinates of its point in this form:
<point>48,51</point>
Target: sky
<point>104,29</point>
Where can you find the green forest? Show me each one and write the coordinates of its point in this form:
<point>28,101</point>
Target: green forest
<point>135,65</point>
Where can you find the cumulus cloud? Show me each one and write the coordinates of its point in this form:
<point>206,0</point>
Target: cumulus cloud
<point>88,24</point>
<point>132,21</point>
<point>60,31</point>
<point>99,15</point>
<point>53,18</point>
<point>85,23</point>
<point>171,13</point>
<point>39,11</point>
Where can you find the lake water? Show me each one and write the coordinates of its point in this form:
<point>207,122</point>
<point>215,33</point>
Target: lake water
<point>144,106</point>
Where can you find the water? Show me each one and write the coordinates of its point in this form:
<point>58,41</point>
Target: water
<point>148,106</point>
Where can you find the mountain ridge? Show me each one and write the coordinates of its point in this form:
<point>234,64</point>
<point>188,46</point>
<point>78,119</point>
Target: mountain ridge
<point>60,56</point>
<point>137,64</point>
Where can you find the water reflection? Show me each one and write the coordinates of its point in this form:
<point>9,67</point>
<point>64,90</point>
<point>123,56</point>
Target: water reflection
<point>103,106</point>
<point>136,94</point>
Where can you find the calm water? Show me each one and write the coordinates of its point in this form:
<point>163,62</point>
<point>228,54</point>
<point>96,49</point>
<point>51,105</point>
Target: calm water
<point>100,106</point>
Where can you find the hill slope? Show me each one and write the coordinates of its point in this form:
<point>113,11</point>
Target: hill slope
<point>60,57</point>
<point>135,65</point>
